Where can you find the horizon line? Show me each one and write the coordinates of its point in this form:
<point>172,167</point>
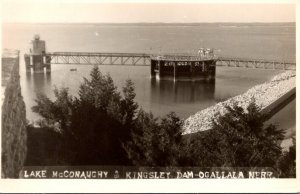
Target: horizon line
<point>257,22</point>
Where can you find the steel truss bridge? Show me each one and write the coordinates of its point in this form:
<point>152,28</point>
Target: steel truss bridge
<point>251,63</point>
<point>99,58</point>
<point>140,59</point>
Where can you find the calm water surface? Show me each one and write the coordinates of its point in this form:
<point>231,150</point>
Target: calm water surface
<point>273,42</point>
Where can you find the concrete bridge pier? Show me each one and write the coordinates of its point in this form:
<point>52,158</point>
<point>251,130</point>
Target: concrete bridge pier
<point>38,66</point>
<point>38,63</point>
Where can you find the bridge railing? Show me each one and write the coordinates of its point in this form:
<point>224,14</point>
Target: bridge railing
<point>250,63</point>
<point>183,57</point>
<point>99,58</point>
<point>79,54</point>
<point>143,59</point>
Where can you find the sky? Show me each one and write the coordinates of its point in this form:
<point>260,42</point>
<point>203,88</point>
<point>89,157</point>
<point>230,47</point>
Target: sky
<point>61,11</point>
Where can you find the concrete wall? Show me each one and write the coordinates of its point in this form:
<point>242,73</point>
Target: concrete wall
<point>276,106</point>
<point>14,135</point>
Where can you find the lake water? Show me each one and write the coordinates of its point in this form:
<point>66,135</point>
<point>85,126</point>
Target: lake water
<point>253,41</point>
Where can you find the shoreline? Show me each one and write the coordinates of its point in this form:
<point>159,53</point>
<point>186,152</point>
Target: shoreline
<point>264,94</point>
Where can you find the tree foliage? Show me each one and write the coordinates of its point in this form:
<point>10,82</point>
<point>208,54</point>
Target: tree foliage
<point>55,113</point>
<point>155,143</point>
<point>93,125</point>
<point>287,162</point>
<point>239,138</point>
<point>103,126</point>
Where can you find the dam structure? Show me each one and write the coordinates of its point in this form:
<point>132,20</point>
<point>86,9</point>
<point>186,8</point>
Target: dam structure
<point>200,66</point>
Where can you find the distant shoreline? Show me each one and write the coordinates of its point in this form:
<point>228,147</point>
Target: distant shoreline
<point>290,24</point>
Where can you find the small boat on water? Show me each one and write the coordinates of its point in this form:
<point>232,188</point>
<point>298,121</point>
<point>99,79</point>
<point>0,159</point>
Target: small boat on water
<point>73,69</point>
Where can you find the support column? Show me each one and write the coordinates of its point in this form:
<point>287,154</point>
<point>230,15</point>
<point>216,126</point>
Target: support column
<point>175,70</point>
<point>212,71</point>
<point>27,63</point>
<point>192,69</point>
<point>38,66</point>
<point>213,68</point>
<point>160,68</point>
<point>203,67</point>
<point>48,64</point>
<point>152,68</point>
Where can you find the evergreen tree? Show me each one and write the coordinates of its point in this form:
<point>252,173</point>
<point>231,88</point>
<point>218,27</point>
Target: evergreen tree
<point>155,143</point>
<point>140,149</point>
<point>99,90</point>
<point>286,165</point>
<point>129,106</point>
<point>94,125</point>
<point>239,138</point>
<point>104,127</point>
<point>168,140</point>
<point>56,114</point>
<point>97,123</point>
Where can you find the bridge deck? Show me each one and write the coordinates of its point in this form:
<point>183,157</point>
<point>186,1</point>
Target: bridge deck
<point>144,59</point>
<point>97,54</point>
<point>99,58</point>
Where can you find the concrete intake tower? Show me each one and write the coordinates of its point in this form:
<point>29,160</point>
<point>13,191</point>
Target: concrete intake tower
<point>37,58</point>
<point>184,67</point>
